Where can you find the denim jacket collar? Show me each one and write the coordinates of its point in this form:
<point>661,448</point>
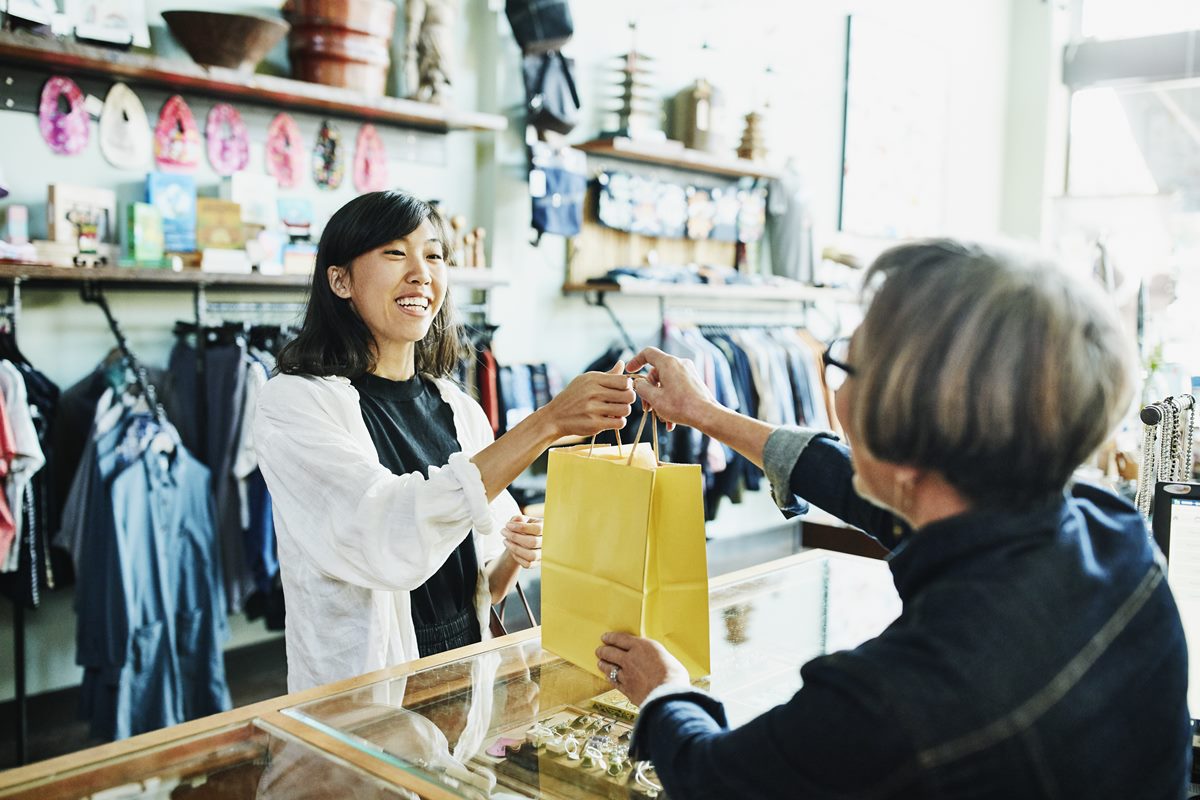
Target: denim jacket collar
<point>971,537</point>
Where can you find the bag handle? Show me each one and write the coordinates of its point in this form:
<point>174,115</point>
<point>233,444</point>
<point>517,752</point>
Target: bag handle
<point>570,79</point>
<point>638,438</point>
<point>567,76</point>
<point>616,435</point>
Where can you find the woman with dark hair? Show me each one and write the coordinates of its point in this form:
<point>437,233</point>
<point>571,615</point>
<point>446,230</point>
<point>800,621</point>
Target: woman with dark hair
<point>395,530</point>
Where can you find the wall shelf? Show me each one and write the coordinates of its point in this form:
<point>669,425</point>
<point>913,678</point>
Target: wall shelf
<point>22,48</point>
<point>678,157</point>
<point>704,291</point>
<point>141,277</point>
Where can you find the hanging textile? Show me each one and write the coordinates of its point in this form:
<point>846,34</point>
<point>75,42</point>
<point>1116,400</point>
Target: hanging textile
<point>66,131</point>
<point>28,568</point>
<point>150,610</point>
<point>217,371</point>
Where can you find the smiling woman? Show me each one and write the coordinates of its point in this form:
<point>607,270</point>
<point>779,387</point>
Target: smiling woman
<point>369,247</point>
<point>395,530</point>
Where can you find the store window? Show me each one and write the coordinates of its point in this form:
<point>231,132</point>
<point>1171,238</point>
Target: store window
<point>1120,19</point>
<point>1132,191</point>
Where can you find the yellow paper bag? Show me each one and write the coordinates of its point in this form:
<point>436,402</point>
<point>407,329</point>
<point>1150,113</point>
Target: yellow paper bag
<point>624,551</point>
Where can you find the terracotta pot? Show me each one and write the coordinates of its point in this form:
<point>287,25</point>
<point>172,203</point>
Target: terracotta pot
<point>340,58</point>
<point>365,78</point>
<point>236,41</point>
<point>345,45</point>
<point>372,17</point>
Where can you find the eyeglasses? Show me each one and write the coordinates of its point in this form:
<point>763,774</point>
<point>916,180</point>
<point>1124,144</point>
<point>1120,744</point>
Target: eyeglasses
<point>834,358</point>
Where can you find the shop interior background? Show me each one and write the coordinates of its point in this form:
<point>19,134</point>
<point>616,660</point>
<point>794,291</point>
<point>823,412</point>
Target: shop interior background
<point>1022,156</point>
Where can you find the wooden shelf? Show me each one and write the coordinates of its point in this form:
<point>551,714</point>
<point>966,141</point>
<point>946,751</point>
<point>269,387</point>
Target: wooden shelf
<point>46,274</point>
<point>22,48</point>
<point>788,293</point>
<point>678,157</point>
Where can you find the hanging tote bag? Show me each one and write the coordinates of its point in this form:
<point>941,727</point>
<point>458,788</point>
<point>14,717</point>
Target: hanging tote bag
<point>624,551</point>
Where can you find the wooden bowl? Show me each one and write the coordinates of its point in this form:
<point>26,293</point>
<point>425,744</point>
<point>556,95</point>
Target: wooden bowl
<point>235,41</point>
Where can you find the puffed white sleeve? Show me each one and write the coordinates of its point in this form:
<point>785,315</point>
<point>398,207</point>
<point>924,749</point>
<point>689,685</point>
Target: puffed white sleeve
<point>348,514</point>
<point>478,435</point>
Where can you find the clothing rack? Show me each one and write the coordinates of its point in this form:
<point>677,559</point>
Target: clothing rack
<point>11,313</point>
<point>777,309</point>
<point>203,310</point>
<point>92,293</point>
<point>250,308</point>
<point>740,326</point>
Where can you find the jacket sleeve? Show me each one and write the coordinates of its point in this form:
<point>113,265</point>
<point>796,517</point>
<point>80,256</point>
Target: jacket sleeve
<point>832,739</point>
<point>813,466</point>
<point>352,517</point>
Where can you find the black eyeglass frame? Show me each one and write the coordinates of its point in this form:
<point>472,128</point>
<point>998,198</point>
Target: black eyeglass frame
<point>828,360</point>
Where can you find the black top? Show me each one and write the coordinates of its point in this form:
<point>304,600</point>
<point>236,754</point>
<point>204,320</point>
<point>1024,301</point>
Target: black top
<point>413,429</point>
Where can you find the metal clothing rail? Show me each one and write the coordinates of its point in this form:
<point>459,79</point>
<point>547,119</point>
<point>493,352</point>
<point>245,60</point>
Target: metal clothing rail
<point>254,308</point>
<point>91,293</point>
<point>765,312</point>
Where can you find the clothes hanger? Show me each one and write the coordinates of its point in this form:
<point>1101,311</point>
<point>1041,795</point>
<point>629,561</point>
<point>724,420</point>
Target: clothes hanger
<point>8,344</point>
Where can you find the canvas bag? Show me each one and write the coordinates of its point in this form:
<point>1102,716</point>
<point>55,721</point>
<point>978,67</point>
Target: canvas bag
<point>624,550</point>
<point>557,189</point>
<point>551,100</point>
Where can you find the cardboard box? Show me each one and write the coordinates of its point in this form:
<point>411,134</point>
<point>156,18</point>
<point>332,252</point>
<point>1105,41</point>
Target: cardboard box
<point>219,225</point>
<point>217,260</point>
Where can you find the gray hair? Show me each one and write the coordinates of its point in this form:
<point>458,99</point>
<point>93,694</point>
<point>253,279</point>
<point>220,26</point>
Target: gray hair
<point>996,369</point>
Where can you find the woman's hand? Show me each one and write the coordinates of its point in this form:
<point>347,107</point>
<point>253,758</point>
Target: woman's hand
<point>673,389</point>
<point>593,402</point>
<point>642,665</point>
<point>523,540</point>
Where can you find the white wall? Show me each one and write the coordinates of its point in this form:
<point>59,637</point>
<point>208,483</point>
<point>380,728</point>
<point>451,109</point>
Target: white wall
<point>804,42</point>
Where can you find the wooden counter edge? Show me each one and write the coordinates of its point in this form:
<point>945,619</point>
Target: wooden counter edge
<point>41,770</point>
<point>267,710</point>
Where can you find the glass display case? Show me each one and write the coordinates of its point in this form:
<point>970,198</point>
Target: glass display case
<point>517,721</point>
<point>500,719</point>
<point>239,762</point>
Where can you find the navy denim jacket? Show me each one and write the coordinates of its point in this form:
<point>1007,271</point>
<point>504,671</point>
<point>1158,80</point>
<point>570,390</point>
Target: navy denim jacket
<point>1039,654</point>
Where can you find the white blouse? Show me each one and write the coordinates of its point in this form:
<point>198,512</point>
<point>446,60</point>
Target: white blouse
<point>354,538</point>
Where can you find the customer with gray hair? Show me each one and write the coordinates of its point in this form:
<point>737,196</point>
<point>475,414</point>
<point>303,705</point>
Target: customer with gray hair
<point>1039,652</point>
